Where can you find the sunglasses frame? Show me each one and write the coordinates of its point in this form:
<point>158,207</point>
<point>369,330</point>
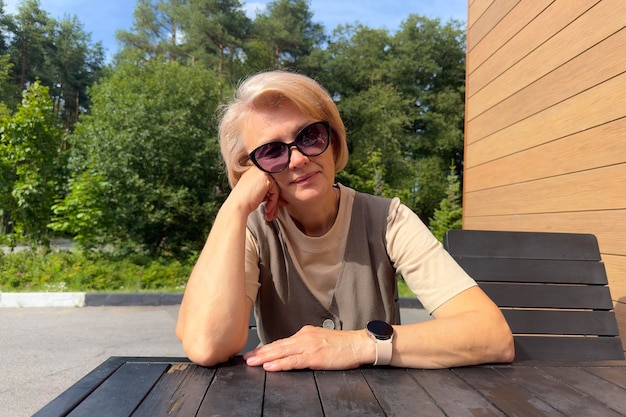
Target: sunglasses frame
<point>298,137</point>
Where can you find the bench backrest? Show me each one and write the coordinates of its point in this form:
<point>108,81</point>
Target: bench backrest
<point>551,287</point>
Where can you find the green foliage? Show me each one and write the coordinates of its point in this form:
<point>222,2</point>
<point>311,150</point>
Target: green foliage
<point>146,165</point>
<point>58,54</point>
<point>6,88</point>
<point>288,30</point>
<point>80,214</point>
<point>449,215</point>
<point>215,31</point>
<point>403,288</point>
<point>145,175</point>
<point>80,271</point>
<point>32,166</point>
<point>377,124</point>
<point>401,97</point>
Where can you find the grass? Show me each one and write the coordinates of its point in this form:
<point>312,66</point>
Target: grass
<point>31,271</point>
<point>403,289</point>
<point>68,271</point>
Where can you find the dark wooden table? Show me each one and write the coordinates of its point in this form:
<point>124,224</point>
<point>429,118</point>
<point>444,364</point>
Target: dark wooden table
<point>174,387</point>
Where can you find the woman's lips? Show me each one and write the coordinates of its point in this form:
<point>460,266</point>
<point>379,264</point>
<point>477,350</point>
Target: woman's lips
<point>304,178</point>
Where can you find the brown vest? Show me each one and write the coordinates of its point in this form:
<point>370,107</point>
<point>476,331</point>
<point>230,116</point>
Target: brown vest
<point>365,290</point>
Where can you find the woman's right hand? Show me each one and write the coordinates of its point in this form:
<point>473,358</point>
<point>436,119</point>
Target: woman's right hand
<point>255,187</point>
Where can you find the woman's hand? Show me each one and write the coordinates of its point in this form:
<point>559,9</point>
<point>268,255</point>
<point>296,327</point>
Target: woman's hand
<point>315,348</point>
<point>255,187</point>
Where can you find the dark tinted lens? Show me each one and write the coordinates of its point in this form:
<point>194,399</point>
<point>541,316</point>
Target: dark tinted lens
<point>272,157</point>
<point>313,139</point>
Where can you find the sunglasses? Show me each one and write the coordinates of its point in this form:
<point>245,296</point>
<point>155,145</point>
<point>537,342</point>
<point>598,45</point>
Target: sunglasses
<point>274,157</point>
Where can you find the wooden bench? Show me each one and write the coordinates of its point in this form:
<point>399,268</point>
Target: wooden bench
<point>551,287</point>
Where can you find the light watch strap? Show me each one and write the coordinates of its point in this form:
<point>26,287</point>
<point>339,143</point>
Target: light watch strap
<point>382,333</point>
<point>384,349</point>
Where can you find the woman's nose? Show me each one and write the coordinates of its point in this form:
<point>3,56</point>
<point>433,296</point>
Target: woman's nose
<point>297,158</point>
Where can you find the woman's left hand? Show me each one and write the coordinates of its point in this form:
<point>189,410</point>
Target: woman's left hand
<point>315,348</point>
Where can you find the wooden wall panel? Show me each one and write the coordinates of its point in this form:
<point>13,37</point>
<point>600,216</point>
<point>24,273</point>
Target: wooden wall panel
<point>476,10</point>
<point>602,104</point>
<point>608,226</point>
<point>616,270</point>
<point>545,132</point>
<point>607,60</point>
<point>579,191</point>
<point>593,148</point>
<point>506,29</point>
<point>558,19</point>
<point>491,17</point>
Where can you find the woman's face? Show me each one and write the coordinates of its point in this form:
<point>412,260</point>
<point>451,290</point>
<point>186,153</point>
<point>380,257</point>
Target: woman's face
<point>306,179</point>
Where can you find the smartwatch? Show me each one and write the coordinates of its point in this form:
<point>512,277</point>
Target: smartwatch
<point>382,333</point>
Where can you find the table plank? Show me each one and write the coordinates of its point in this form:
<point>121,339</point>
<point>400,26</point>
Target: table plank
<point>559,395</point>
<point>122,392</point>
<point>614,375</point>
<point>452,394</point>
<point>236,389</point>
<point>291,393</point>
<point>504,393</point>
<point>399,394</point>
<point>592,385</point>
<point>69,399</point>
<point>179,392</point>
<point>346,393</point>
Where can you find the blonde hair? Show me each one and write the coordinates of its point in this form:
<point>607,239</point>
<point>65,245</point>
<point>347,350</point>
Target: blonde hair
<point>267,90</point>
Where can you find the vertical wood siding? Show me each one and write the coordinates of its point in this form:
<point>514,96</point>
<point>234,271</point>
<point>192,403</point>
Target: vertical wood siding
<point>545,128</point>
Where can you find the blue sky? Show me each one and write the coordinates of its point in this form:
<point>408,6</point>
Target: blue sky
<point>102,18</point>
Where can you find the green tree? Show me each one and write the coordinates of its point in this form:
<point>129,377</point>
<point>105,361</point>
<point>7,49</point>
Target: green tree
<point>428,66</point>
<point>215,31</point>
<point>353,61</point>
<point>449,215</point>
<point>146,160</point>
<point>6,85</point>
<point>376,122</point>
<point>59,55</point>
<point>32,30</point>
<point>156,32</point>
<point>32,164</point>
<point>72,67</point>
<point>288,32</point>
<point>3,23</point>
<point>401,97</point>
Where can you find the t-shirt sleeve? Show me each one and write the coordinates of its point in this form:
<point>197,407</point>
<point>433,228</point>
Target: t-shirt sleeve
<point>252,266</point>
<point>427,268</point>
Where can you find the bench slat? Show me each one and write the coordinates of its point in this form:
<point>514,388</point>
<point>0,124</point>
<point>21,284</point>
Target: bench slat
<point>551,287</point>
<point>602,323</point>
<point>523,245</point>
<point>534,270</point>
<point>564,349</point>
<point>548,296</point>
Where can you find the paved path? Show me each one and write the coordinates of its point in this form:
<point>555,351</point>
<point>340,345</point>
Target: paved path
<point>46,350</point>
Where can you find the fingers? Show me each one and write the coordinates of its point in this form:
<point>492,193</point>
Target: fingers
<point>272,202</point>
<point>311,347</point>
<point>256,187</point>
<point>277,360</point>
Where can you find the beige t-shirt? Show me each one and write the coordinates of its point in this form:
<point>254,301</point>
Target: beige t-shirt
<point>429,271</point>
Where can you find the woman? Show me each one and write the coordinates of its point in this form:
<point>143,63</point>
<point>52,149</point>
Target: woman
<point>318,260</point>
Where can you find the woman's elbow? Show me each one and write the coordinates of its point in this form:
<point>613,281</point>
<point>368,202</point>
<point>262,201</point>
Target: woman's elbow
<point>505,353</point>
<point>211,351</point>
<point>206,354</point>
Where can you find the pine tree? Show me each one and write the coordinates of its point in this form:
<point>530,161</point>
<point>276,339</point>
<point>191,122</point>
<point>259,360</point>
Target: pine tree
<point>449,214</point>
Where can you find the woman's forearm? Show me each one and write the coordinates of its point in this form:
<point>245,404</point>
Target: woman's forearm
<point>213,317</point>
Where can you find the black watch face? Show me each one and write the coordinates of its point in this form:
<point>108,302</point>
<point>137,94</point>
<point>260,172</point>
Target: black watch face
<point>380,329</point>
